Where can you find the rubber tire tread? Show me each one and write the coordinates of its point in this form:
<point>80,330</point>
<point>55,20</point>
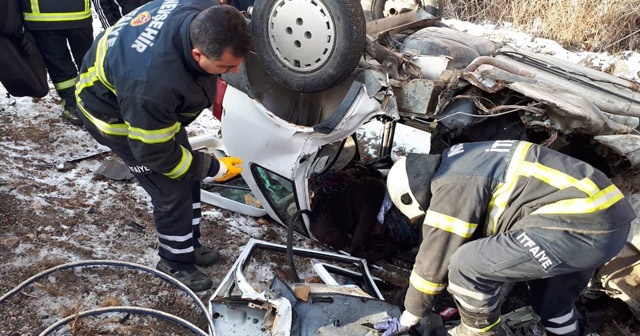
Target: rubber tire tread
<point>349,23</point>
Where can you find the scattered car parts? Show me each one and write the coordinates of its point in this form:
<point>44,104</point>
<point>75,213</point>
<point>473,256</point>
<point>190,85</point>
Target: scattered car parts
<point>296,308</point>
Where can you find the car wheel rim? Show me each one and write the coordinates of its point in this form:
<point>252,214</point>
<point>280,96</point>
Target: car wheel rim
<point>302,33</point>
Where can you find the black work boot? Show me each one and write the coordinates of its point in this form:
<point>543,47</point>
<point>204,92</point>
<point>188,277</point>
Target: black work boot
<point>206,256</point>
<point>190,276</point>
<point>71,115</point>
<point>69,107</point>
<point>463,330</point>
<point>478,325</point>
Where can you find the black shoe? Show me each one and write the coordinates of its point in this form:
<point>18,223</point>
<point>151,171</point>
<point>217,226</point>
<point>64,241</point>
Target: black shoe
<point>206,256</point>
<point>71,116</point>
<point>195,280</point>
<point>462,330</point>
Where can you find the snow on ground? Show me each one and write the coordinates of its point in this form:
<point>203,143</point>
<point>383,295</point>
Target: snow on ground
<point>624,64</point>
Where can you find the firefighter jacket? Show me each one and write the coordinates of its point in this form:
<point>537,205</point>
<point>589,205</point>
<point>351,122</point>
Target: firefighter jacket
<point>110,11</point>
<point>140,85</point>
<point>486,188</point>
<point>56,14</point>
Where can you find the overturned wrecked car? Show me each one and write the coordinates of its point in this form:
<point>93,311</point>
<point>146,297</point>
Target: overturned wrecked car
<point>413,70</point>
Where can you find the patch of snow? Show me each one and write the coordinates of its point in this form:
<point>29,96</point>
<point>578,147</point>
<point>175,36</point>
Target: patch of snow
<point>627,63</point>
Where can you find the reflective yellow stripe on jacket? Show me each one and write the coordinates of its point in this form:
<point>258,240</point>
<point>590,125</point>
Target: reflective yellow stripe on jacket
<point>183,165</point>
<point>425,286</point>
<point>65,85</point>
<point>594,200</point>
<point>37,16</point>
<point>101,53</point>
<point>450,224</point>
<point>96,73</point>
<point>598,201</point>
<point>503,192</point>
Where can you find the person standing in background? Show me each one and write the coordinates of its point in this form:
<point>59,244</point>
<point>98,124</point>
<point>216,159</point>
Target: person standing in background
<point>110,11</point>
<point>58,26</point>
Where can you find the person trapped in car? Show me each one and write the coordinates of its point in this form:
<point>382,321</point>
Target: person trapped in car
<point>348,212</point>
<point>145,79</point>
<point>502,212</point>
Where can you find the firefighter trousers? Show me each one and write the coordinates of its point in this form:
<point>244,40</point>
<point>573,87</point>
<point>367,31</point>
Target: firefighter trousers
<point>176,203</point>
<point>62,68</point>
<point>556,265</point>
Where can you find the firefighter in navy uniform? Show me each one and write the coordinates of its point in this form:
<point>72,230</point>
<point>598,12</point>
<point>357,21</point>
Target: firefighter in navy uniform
<point>145,79</point>
<point>55,23</point>
<point>504,212</point>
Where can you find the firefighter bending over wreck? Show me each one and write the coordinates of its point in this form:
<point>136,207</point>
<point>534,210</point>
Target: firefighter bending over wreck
<point>502,212</point>
<point>141,83</point>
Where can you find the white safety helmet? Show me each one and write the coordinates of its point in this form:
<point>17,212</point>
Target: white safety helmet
<point>409,183</point>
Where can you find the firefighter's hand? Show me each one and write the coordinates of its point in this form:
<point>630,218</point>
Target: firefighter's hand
<point>396,325</point>
<point>230,167</point>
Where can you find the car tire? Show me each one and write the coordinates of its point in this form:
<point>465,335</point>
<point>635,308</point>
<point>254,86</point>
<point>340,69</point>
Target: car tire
<point>308,46</point>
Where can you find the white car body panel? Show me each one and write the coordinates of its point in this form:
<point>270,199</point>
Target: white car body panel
<point>251,131</point>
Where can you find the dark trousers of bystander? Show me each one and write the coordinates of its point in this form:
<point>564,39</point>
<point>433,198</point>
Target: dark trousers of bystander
<point>62,63</point>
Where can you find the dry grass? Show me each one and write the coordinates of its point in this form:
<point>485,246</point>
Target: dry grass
<point>593,25</point>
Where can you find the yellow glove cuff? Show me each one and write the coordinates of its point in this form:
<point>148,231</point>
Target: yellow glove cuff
<point>230,167</point>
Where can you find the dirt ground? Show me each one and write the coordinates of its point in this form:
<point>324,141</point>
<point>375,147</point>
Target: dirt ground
<point>82,216</point>
<point>51,216</point>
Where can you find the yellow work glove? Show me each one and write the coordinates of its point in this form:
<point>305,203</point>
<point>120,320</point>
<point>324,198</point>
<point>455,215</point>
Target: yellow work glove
<point>230,167</point>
